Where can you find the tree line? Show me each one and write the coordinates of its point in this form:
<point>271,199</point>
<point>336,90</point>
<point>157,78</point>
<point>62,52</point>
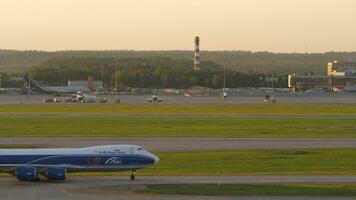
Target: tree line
<point>152,72</point>
<point>242,61</point>
<point>11,79</point>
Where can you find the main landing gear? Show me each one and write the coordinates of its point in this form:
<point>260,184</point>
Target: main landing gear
<point>133,175</point>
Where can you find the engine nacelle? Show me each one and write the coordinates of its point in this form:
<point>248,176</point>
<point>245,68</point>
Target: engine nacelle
<point>26,173</point>
<point>57,174</point>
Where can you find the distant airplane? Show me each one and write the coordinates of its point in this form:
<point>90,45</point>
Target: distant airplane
<point>154,99</point>
<point>79,97</point>
<point>76,96</point>
<point>38,87</point>
<point>54,164</point>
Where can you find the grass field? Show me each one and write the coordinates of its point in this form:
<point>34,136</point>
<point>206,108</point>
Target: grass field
<point>331,161</point>
<point>252,190</point>
<point>253,109</point>
<point>174,127</point>
<point>20,146</point>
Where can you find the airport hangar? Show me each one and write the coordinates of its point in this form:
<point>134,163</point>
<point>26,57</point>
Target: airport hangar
<point>340,76</point>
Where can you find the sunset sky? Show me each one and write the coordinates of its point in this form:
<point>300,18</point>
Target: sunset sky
<point>256,25</point>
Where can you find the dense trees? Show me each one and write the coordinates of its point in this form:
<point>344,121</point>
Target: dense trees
<point>153,72</point>
<point>242,61</point>
<point>11,79</point>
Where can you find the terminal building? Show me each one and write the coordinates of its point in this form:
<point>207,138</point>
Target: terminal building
<point>339,76</point>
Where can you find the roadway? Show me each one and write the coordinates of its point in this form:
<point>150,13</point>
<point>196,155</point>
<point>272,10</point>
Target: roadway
<point>190,144</point>
<point>120,188</point>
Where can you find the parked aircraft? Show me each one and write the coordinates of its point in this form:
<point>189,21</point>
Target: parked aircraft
<point>54,164</point>
<point>79,97</point>
<point>38,87</point>
<point>75,96</point>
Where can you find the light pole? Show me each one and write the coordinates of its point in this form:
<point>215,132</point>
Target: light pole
<point>29,85</point>
<point>117,100</point>
<point>116,80</point>
<point>224,83</point>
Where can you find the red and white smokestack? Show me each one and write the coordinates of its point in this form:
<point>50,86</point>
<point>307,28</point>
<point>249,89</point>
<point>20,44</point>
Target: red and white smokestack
<point>197,54</point>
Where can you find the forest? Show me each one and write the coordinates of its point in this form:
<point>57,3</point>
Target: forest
<point>150,72</point>
<point>241,61</point>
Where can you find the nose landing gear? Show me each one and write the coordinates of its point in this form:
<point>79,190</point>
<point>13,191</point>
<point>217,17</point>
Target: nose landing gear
<point>133,175</point>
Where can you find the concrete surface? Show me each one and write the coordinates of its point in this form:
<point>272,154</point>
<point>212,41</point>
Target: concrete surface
<point>191,144</point>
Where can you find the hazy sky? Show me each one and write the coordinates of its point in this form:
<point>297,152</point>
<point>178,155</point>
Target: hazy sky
<point>257,25</point>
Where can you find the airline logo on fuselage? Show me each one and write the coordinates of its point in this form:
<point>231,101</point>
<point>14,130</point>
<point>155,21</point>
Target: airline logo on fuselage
<point>113,161</point>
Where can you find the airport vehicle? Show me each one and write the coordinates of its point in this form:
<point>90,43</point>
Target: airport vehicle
<point>154,99</point>
<point>269,98</point>
<point>2,90</point>
<point>224,94</point>
<point>54,164</point>
<point>9,90</point>
<point>280,90</point>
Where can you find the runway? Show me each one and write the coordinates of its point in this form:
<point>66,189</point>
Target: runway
<point>120,188</point>
<point>190,144</point>
<point>242,98</point>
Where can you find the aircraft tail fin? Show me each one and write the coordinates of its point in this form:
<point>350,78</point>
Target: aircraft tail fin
<point>35,85</point>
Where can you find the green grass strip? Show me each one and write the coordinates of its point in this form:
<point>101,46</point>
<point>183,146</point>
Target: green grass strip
<point>252,190</point>
<point>266,162</point>
<point>174,127</point>
<point>253,109</point>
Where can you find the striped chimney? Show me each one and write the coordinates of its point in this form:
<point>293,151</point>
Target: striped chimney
<point>197,53</point>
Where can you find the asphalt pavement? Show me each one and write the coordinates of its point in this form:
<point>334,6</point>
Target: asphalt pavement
<point>189,144</point>
<point>120,187</point>
<point>318,98</point>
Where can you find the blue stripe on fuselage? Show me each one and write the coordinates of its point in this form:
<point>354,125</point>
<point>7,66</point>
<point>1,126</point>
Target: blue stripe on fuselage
<point>103,160</point>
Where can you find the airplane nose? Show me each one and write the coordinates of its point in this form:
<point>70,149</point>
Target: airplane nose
<point>156,159</point>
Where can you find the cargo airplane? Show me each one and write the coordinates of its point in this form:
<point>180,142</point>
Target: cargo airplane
<point>38,87</point>
<point>75,96</point>
<point>54,164</point>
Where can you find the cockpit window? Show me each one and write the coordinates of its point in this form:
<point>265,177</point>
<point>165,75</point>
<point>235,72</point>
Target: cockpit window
<point>139,149</point>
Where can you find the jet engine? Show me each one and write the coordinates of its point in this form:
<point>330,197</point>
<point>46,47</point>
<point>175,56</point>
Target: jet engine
<point>26,173</point>
<point>57,174</point>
